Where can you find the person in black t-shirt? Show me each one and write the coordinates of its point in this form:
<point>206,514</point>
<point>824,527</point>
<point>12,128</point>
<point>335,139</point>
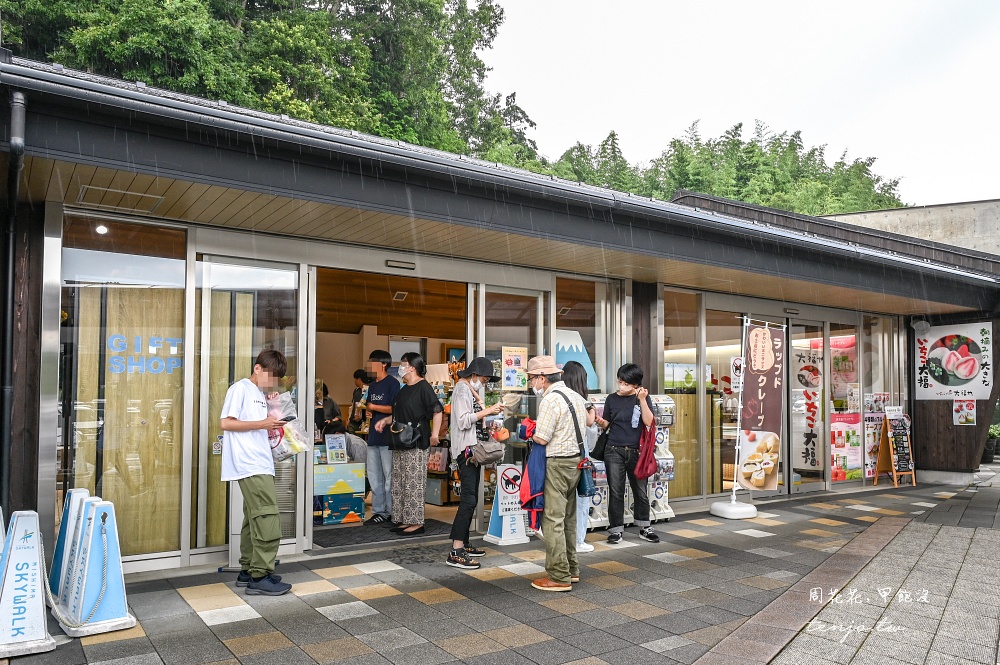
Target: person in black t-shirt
<point>357,416</point>
<point>417,405</point>
<point>625,414</point>
<point>381,396</point>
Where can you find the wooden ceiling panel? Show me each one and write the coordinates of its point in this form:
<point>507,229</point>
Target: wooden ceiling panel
<point>234,210</point>
<point>347,300</point>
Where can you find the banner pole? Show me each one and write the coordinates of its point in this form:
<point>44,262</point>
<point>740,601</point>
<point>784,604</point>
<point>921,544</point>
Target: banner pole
<point>736,510</point>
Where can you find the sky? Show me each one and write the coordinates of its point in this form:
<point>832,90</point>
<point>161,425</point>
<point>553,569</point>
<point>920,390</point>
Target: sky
<point>915,84</point>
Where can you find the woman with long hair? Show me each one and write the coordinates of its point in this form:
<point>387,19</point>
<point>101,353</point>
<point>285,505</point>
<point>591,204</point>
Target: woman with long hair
<point>417,405</point>
<point>575,378</point>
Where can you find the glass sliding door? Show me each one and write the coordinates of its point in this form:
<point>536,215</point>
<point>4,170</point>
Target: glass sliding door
<point>807,409</point>
<point>121,377</point>
<point>241,309</point>
<point>846,426</point>
<point>681,373</point>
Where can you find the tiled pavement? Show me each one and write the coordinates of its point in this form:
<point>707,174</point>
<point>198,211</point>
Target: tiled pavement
<point>685,599</point>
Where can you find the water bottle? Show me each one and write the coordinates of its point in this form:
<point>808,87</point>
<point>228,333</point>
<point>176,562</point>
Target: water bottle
<point>636,412</point>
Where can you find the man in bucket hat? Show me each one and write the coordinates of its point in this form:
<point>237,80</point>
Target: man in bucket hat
<point>556,431</point>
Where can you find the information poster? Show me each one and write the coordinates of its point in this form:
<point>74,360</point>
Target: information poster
<point>513,360</point>
<point>336,448</point>
<point>763,408</point>
<point>955,362</point>
<point>509,489</point>
<point>873,436</point>
<point>807,391</point>
<point>964,412</point>
<point>846,450</point>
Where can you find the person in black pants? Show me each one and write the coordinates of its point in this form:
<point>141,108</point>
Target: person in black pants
<point>626,412</point>
<point>467,413</point>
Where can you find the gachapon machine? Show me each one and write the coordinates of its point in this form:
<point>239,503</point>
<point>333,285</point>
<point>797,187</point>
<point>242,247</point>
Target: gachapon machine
<point>663,419</point>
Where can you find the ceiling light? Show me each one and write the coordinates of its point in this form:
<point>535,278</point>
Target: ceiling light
<point>564,311</point>
<point>400,296</point>
<point>101,229</point>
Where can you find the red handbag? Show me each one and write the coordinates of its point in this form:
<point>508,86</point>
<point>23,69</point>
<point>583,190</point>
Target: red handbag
<point>646,464</point>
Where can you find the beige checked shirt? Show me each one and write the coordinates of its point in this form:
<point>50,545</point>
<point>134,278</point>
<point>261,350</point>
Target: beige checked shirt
<point>554,425</point>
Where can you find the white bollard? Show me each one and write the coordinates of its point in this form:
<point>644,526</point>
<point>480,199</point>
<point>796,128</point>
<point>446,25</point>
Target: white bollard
<point>23,628</point>
<point>96,600</point>
<point>72,508</point>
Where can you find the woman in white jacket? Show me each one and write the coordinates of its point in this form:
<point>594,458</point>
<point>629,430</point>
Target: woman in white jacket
<point>467,413</point>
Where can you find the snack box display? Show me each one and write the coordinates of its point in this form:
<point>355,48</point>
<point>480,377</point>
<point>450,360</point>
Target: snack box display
<point>338,509</point>
<point>338,479</point>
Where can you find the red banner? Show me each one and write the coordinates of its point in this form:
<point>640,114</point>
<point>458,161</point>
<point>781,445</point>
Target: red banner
<point>763,407</point>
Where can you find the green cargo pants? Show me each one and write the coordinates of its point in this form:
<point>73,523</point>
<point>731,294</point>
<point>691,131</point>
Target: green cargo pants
<point>559,517</point>
<point>261,530</point>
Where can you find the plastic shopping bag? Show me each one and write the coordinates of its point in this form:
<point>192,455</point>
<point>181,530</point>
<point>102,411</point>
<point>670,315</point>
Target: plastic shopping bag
<point>291,439</point>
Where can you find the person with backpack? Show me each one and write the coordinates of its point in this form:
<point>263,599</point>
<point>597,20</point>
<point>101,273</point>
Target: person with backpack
<point>467,415</point>
<point>559,429</point>
<point>626,413</point>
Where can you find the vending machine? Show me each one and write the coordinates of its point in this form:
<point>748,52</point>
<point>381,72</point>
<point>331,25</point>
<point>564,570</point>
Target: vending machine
<point>659,508</point>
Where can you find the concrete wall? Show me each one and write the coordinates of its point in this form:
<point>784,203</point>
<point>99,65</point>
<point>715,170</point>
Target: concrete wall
<point>974,225</point>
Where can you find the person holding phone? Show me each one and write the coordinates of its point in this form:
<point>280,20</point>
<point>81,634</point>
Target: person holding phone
<point>626,412</point>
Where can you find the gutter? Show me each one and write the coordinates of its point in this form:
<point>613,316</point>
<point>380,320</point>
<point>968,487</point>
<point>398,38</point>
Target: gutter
<point>16,165</point>
<point>133,97</point>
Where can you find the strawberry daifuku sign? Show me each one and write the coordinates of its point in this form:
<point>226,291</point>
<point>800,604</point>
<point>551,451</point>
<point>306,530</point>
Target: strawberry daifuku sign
<point>955,362</point>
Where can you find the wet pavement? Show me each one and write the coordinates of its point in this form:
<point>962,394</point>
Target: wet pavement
<point>807,581</point>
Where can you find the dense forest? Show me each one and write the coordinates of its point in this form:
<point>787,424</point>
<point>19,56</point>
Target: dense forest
<point>410,70</point>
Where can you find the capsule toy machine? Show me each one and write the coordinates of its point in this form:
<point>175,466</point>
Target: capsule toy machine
<point>599,502</point>
<point>657,490</point>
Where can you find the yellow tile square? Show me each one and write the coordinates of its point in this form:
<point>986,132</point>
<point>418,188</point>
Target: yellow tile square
<point>890,496</point>
<point>853,501</point>
<point>765,521</point>
<point>135,631</point>
<point>688,533</point>
<point>762,582</point>
<point>704,522</point>
<point>470,646</point>
<point>487,574</point>
<point>609,581</point>
<point>210,597</point>
<point>819,533</point>
<point>697,565</point>
<point>434,596</point>
<point>886,511</point>
<point>529,555</point>
<point>692,553</point>
<point>828,522</point>
<point>373,591</point>
<point>612,567</point>
<point>867,518</point>
<point>517,636</point>
<point>260,643</point>
<point>569,605</point>
<point>315,586</point>
<point>592,660</point>
<point>826,506</point>
<point>338,571</point>
<point>639,611</point>
<point>334,650</point>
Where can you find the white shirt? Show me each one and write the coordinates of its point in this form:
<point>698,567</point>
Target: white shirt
<point>245,454</point>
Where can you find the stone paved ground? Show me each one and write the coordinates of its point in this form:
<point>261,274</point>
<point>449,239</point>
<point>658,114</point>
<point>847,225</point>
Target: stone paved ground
<point>687,599</point>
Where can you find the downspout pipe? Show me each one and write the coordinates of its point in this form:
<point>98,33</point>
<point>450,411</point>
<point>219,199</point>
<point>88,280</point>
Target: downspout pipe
<point>18,104</point>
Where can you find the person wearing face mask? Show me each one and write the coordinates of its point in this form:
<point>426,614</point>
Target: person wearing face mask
<point>625,414</point>
<point>467,415</point>
<point>382,394</point>
<point>416,404</point>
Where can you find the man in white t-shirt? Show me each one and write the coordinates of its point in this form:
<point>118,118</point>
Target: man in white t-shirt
<point>246,458</point>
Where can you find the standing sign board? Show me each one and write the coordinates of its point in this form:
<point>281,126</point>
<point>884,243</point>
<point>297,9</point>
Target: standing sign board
<point>507,518</point>
<point>955,362</point>
<point>895,454</point>
<point>763,407</point>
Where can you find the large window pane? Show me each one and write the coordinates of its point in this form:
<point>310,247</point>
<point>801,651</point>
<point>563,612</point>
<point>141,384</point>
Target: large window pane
<point>723,340</point>
<point>846,428</point>
<point>581,328</point>
<point>680,371</point>
<point>121,378</point>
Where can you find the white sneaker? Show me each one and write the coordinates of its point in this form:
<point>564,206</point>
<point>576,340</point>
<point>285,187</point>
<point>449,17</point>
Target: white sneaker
<point>584,547</point>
